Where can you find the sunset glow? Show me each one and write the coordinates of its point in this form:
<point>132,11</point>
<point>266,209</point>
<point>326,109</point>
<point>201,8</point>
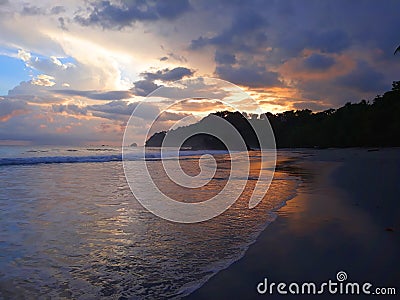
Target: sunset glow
<point>78,71</point>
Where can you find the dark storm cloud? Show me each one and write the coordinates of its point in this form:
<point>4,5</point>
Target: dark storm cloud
<point>113,15</point>
<point>318,62</point>
<point>246,37</point>
<point>247,32</point>
<point>146,86</point>
<point>331,41</point>
<point>326,41</point>
<point>259,33</point>
<point>256,40</point>
<point>96,95</point>
<point>334,26</point>
<point>363,78</point>
<point>224,58</point>
<point>251,75</point>
<point>168,74</point>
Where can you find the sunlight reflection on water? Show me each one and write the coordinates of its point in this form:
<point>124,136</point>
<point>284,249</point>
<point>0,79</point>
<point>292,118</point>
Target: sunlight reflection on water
<point>75,231</point>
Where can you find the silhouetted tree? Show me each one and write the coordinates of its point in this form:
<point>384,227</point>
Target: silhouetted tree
<point>360,124</point>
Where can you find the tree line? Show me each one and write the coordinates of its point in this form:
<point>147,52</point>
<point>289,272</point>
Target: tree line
<point>362,124</point>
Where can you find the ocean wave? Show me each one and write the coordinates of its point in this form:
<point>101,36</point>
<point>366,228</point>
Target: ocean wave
<point>35,160</point>
<point>57,160</point>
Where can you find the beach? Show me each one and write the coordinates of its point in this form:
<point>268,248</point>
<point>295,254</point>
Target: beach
<point>71,227</point>
<point>199,149</point>
<point>344,218</point>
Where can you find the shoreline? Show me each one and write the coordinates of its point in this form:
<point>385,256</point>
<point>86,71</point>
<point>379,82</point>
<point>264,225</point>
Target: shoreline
<point>343,218</point>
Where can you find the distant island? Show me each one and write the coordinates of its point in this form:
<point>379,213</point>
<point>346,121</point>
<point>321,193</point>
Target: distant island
<point>363,124</point>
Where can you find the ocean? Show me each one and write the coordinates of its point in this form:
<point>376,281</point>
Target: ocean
<point>70,226</point>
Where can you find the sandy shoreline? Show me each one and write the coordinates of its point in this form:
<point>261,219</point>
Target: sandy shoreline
<point>345,217</point>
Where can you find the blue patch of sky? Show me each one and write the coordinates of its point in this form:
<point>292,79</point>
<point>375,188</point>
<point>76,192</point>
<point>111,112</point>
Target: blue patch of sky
<point>12,72</point>
<point>66,60</point>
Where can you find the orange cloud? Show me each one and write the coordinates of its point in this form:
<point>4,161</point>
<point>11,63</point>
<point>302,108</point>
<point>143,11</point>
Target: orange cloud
<point>12,114</point>
<point>64,129</point>
<point>294,69</point>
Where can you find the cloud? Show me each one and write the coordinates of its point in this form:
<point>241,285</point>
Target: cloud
<point>297,40</point>
<point>168,75</point>
<point>114,107</point>
<point>61,22</point>
<point>251,75</point>
<point>32,10</point>
<point>318,62</point>
<point>43,80</point>
<point>121,110</point>
<point>71,73</point>
<point>70,109</point>
<point>224,58</point>
<point>247,31</point>
<point>202,106</point>
<point>31,92</point>
<point>144,87</point>
<point>177,57</point>
<point>40,125</point>
<point>240,49</point>
<point>49,65</point>
<point>43,90</point>
<point>24,55</point>
<point>195,88</point>
<point>118,110</point>
<point>173,116</point>
<point>117,15</point>
<point>326,41</point>
<point>97,95</point>
<point>55,10</point>
<point>319,52</point>
<point>330,41</point>
<point>10,108</point>
<point>363,78</point>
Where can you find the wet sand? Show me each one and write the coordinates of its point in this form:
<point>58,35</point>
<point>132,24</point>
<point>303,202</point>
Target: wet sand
<point>345,217</point>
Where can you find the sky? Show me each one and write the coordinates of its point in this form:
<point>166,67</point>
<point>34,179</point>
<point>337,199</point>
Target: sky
<point>71,72</point>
